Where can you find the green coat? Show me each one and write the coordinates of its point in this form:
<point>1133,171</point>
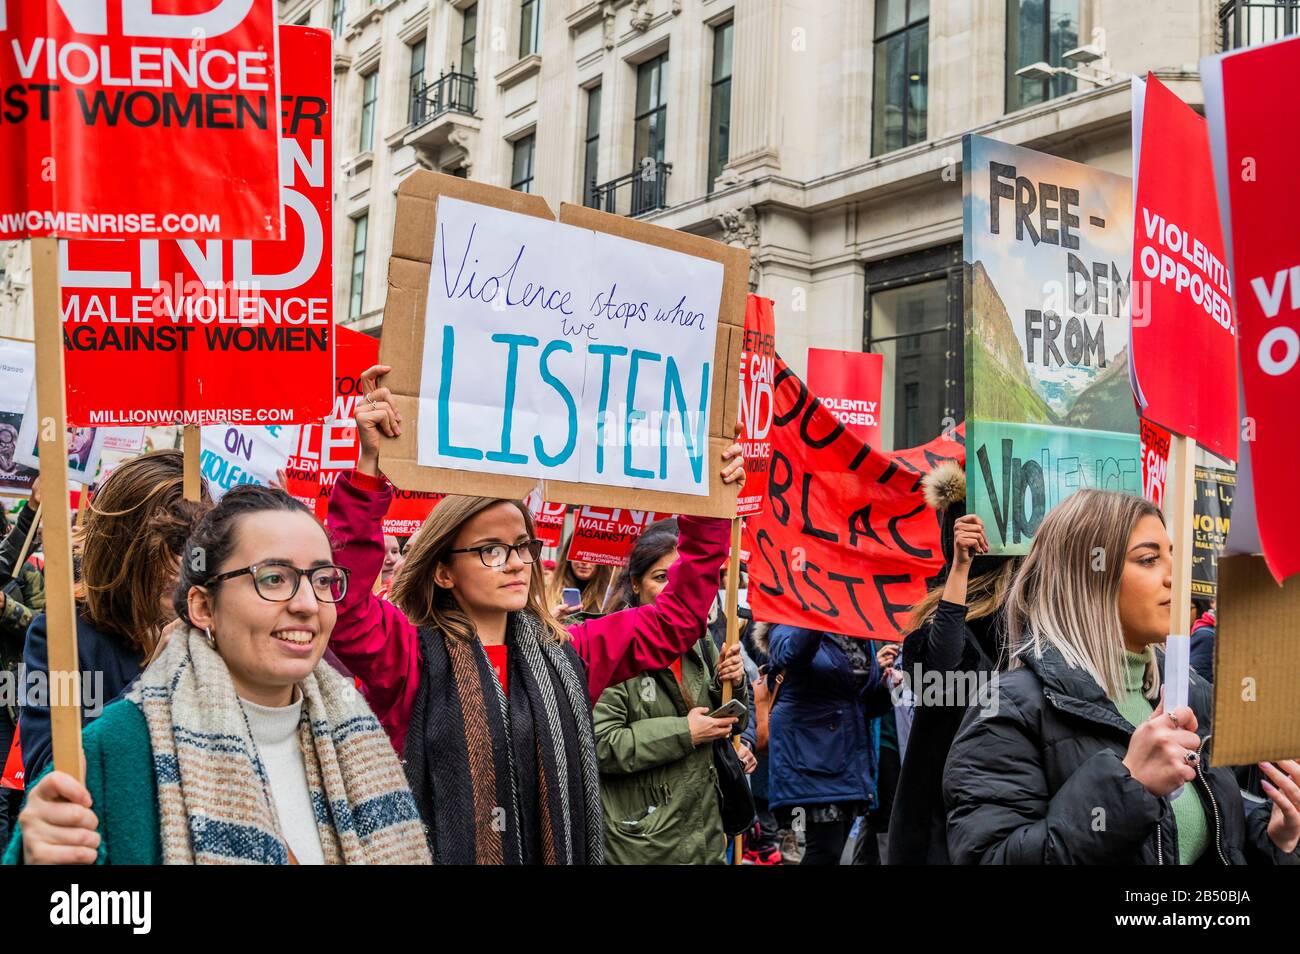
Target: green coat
<point>124,795</point>
<point>659,791</point>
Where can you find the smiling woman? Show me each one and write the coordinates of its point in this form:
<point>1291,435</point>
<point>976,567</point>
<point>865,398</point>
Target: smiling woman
<point>236,745</point>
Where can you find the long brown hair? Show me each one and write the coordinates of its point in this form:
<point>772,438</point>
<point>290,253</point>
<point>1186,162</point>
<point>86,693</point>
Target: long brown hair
<point>593,590</point>
<point>130,542</point>
<point>1066,593</point>
<point>985,595</point>
<point>424,602</point>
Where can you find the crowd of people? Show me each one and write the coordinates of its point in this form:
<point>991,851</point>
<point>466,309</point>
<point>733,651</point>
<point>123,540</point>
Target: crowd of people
<point>271,690</point>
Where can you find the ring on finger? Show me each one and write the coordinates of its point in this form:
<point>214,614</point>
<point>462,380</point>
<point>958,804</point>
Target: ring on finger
<point>1174,719</point>
<point>1190,757</point>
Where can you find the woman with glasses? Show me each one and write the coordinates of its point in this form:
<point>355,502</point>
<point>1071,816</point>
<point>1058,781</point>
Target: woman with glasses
<point>236,746</point>
<point>485,694</point>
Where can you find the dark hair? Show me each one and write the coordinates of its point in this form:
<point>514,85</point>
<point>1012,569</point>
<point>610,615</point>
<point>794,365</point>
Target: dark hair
<point>129,541</point>
<point>658,539</point>
<point>215,537</point>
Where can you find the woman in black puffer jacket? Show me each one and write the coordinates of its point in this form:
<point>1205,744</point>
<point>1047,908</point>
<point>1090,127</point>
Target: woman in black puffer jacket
<point>958,638</point>
<point>1067,763</point>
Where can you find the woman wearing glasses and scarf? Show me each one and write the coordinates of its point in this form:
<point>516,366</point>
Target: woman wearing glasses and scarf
<point>236,746</point>
<point>485,694</point>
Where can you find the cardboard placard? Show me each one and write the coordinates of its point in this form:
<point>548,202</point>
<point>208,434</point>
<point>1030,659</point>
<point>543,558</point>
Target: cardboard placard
<point>1256,664</point>
<point>403,342</point>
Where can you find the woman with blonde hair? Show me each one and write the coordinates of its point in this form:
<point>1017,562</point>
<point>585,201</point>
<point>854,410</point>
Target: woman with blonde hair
<point>1073,758</point>
<point>485,695</point>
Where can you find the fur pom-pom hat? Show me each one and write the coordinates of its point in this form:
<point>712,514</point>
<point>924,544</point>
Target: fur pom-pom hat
<point>945,486</point>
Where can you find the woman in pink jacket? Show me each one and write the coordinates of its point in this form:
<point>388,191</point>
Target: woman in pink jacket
<point>485,695</point>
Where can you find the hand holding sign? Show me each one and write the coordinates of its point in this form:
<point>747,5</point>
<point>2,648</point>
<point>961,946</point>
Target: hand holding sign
<point>967,540</point>
<point>376,418</point>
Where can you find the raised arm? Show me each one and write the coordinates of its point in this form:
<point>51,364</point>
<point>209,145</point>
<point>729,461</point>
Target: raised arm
<point>618,646</point>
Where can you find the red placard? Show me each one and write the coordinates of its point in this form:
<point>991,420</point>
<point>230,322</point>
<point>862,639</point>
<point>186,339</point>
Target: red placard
<point>848,384</point>
<point>846,543</point>
<point>757,369</point>
<point>328,449</point>
<point>139,119</point>
<point>407,511</point>
<point>1183,337</point>
<point>1155,460</point>
<point>606,535</point>
<point>548,520</point>
<point>1253,121</point>
<point>12,776</point>
<point>216,332</point>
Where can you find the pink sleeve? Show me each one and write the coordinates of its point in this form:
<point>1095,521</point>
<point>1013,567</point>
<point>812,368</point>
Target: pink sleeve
<point>618,646</point>
<point>371,637</point>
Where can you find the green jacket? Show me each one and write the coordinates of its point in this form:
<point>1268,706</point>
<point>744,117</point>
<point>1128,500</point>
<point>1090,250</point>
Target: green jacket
<point>124,795</point>
<point>659,791</point>
<point>24,599</point>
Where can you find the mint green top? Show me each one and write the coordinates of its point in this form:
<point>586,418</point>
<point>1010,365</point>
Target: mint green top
<point>1189,814</point>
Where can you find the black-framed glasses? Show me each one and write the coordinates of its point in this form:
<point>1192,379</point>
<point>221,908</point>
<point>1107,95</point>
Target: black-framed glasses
<point>279,582</point>
<point>496,555</point>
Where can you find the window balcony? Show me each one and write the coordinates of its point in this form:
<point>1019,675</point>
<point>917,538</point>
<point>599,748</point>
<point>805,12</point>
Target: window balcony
<point>635,194</point>
<point>442,115</point>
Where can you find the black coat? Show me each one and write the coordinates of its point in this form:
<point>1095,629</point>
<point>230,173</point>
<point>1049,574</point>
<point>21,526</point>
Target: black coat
<point>1040,779</point>
<point>109,666</point>
<point>944,643</point>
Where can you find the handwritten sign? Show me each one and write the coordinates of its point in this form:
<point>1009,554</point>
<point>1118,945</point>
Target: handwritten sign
<point>233,455</point>
<point>602,351</point>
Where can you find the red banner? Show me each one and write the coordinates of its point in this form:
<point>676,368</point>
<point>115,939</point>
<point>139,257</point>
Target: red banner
<point>216,332</point>
<point>1253,120</point>
<point>12,776</point>
<point>140,120</point>
<point>328,449</point>
<point>846,543</point>
<point>548,520</point>
<point>1183,331</point>
<point>408,510</point>
<point>606,535</point>
<point>848,383</point>
<point>757,369</point>
<point>1155,460</point>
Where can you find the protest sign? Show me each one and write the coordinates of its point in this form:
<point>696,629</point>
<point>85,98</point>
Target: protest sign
<point>754,401</point>
<point>605,536</point>
<point>17,374</point>
<point>157,121</point>
<point>848,385</point>
<point>1215,489</point>
<point>408,510</point>
<point>1183,330</point>
<point>616,339</point>
<point>328,449</point>
<point>85,444</point>
<point>233,454</point>
<point>128,440</point>
<point>217,332</point>
<point>1049,410</point>
<point>846,542</point>
<point>1155,460</point>
<point>1251,119</point>
<point>548,518</point>
<point>12,776</point>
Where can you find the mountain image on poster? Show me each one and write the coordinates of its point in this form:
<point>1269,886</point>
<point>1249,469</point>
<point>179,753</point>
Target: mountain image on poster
<point>1049,409</point>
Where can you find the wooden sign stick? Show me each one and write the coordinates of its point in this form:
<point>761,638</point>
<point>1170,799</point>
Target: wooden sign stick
<point>60,607</point>
<point>733,637</point>
<point>190,445</point>
<point>27,542</point>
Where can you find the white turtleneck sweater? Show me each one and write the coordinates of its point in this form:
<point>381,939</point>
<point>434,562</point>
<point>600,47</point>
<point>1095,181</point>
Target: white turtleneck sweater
<point>275,732</point>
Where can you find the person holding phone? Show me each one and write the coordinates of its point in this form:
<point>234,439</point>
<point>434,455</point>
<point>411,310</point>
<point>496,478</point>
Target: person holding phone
<point>655,733</point>
<point>577,586</point>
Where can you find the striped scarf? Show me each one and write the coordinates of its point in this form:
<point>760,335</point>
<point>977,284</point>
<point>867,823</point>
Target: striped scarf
<point>484,802</point>
<point>214,799</point>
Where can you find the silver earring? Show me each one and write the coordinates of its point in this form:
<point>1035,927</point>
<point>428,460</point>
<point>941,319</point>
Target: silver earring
<point>207,631</point>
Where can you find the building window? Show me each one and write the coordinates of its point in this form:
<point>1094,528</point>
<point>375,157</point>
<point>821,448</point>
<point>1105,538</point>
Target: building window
<point>521,168</point>
<point>360,226</point>
<point>914,319</point>
<point>468,39</point>
<point>591,148</point>
<point>901,74</point>
<point>1039,31</point>
<point>415,84</point>
<point>530,27</point>
<point>720,103</point>
<point>369,96</point>
<point>336,17</point>
<point>651,120</point>
<point>1250,22</point>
